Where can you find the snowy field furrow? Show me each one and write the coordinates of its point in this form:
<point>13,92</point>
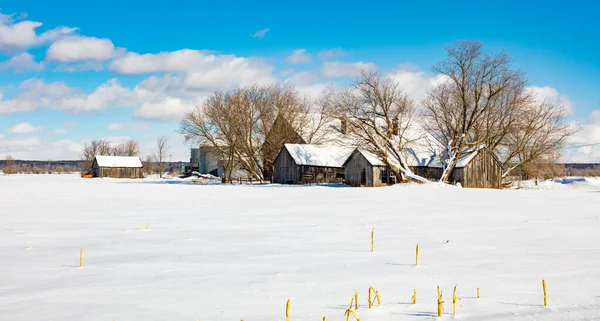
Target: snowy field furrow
<point>238,252</point>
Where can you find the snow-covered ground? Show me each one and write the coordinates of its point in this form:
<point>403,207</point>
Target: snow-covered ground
<point>238,252</point>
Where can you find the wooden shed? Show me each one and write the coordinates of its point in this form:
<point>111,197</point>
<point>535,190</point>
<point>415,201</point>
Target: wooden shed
<point>310,164</point>
<point>117,166</point>
<point>364,168</point>
<point>476,169</point>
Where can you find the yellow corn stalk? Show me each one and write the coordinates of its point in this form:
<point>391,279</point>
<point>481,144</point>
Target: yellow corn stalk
<point>147,226</point>
<point>373,240</point>
<point>81,257</point>
<point>374,292</point>
<point>417,255</point>
<point>440,307</point>
<point>324,318</point>
<point>349,312</point>
<point>478,293</point>
<point>355,300</point>
<point>545,297</point>
<point>455,299</point>
<point>413,299</point>
<point>287,310</point>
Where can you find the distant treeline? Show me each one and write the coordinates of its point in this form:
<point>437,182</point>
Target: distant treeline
<point>67,166</point>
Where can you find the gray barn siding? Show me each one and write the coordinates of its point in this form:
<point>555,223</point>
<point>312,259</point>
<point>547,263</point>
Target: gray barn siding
<point>286,171</point>
<point>483,171</point>
<point>116,172</point>
<point>353,170</point>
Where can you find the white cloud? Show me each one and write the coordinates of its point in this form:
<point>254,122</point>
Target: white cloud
<point>303,78</point>
<point>80,48</point>
<point>2,136</point>
<point>132,126</point>
<point>22,62</point>
<point>287,72</point>
<point>32,94</point>
<point>415,83</point>
<point>330,54</point>
<point>261,33</point>
<point>312,91</point>
<point>20,148</point>
<point>19,36</point>
<point>115,140</point>
<point>169,109</point>
<point>114,126</point>
<point>198,69</point>
<point>337,69</point>
<point>100,98</point>
<point>588,134</point>
<point>299,57</point>
<point>34,148</point>
<point>550,94</point>
<point>59,131</point>
<point>23,128</point>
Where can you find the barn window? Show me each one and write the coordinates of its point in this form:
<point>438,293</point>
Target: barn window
<point>384,176</point>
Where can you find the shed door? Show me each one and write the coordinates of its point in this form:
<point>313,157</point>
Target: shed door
<point>363,177</point>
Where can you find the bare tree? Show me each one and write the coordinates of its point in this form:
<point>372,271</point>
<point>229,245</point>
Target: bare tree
<point>161,153</point>
<point>475,83</point>
<point>149,165</point>
<point>9,165</point>
<point>376,114</point>
<point>539,133</point>
<point>239,125</point>
<point>484,102</point>
<point>95,147</point>
<point>127,148</point>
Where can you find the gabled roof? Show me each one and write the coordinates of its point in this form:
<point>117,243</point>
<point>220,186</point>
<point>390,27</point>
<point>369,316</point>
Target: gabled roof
<point>118,161</point>
<point>463,160</point>
<point>314,155</point>
<point>371,158</point>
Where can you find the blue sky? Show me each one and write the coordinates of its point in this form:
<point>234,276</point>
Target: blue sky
<point>118,69</point>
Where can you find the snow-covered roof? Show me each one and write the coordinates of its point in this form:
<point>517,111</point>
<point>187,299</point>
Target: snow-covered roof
<point>314,155</point>
<point>371,158</point>
<point>420,147</point>
<point>320,129</point>
<point>118,161</point>
<point>463,160</point>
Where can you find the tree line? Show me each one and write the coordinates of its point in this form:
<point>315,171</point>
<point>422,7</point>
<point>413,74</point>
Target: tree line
<point>481,101</point>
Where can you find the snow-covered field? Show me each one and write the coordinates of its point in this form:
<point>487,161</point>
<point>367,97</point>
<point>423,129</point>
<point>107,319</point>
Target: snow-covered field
<point>238,252</point>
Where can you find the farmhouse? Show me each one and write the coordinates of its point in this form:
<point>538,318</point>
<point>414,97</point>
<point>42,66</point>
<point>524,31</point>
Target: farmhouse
<point>478,168</point>
<point>117,166</point>
<point>305,164</point>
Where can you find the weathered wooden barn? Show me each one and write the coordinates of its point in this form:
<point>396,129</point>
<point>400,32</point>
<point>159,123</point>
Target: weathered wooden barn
<point>310,164</point>
<point>364,168</point>
<point>476,169</point>
<point>305,129</point>
<point>117,166</point>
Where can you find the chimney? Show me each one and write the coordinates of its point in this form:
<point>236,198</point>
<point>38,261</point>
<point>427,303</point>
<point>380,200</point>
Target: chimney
<point>343,126</point>
<point>395,129</point>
